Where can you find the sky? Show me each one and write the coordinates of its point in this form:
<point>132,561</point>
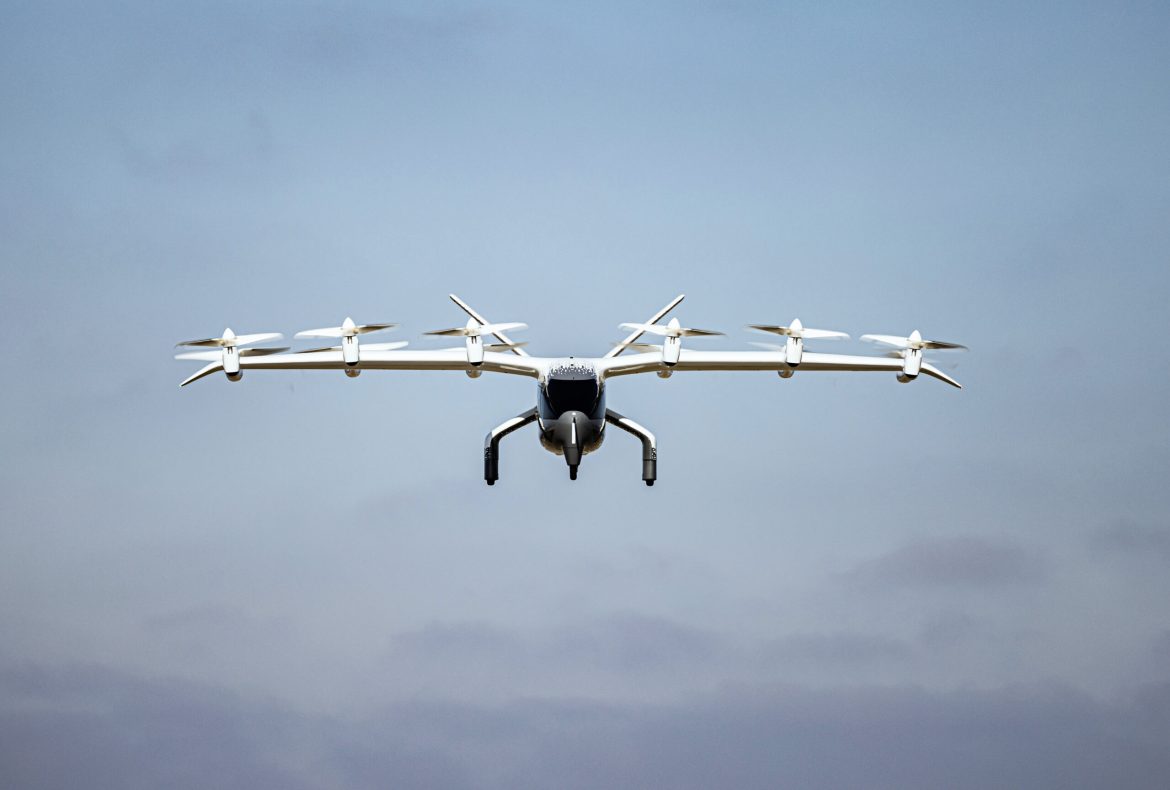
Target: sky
<point>301,581</point>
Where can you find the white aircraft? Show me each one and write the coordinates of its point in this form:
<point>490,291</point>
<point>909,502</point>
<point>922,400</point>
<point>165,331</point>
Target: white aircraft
<point>570,404</point>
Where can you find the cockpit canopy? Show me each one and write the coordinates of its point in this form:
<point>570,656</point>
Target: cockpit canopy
<point>571,394</point>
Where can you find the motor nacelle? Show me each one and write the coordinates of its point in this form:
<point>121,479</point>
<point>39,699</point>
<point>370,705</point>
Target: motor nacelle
<point>911,365</point>
<point>671,335</point>
<point>227,357</point>
<point>910,349</point>
<point>671,350</point>
<point>795,334</point>
<point>348,334</point>
<point>793,349</point>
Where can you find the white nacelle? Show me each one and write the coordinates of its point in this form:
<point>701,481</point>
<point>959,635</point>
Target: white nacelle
<point>793,350</point>
<point>911,365</point>
<point>349,349</point>
<point>231,363</point>
<point>475,350</point>
<point>671,349</point>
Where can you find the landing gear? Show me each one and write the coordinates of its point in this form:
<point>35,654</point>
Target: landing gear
<point>491,444</point>
<point>649,445</point>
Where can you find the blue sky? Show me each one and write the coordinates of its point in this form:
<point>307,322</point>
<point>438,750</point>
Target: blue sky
<point>838,580</point>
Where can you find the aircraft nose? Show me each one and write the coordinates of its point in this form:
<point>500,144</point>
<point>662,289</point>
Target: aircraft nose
<point>573,431</point>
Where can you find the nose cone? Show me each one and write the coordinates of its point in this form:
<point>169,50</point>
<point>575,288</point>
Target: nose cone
<point>572,431</point>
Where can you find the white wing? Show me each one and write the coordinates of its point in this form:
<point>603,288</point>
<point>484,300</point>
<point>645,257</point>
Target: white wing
<point>441,359</point>
<point>758,360</point>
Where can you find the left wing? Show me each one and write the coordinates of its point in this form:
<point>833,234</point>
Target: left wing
<point>775,361</point>
<point>331,359</point>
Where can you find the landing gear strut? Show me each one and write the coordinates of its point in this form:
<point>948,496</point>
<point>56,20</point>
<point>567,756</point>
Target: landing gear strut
<point>649,445</point>
<point>491,444</point>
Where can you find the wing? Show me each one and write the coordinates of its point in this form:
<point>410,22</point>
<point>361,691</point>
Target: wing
<point>758,360</point>
<point>440,359</point>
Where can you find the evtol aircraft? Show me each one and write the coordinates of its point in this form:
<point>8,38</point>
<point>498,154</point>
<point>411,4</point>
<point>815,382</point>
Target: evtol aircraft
<point>570,409</point>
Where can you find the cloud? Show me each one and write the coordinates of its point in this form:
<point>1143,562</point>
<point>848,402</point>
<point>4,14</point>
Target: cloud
<point>835,648</point>
<point>85,726</point>
<point>615,652</point>
<point>1128,538</point>
<point>952,562</point>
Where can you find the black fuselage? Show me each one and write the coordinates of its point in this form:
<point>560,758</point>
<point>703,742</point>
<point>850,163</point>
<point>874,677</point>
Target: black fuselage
<point>571,411</point>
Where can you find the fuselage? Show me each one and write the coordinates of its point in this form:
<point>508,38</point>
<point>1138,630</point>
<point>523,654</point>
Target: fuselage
<point>570,406</point>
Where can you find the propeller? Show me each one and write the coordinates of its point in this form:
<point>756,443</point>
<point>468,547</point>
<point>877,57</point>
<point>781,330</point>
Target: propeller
<point>347,329</point>
<point>671,335</point>
<point>473,333</point>
<point>476,329</point>
<point>796,333</point>
<point>365,347</point>
<point>913,343</point>
<point>487,347</point>
<point>348,333</point>
<point>227,357</point>
<point>231,340</point>
<point>642,347</point>
<point>798,330</point>
<point>215,356</point>
<point>672,330</point>
<point>910,352</point>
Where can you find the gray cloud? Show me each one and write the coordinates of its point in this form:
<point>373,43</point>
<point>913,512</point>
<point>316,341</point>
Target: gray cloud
<point>1129,538</point>
<point>971,561</point>
<point>835,648</point>
<point>947,628</point>
<point>83,726</point>
<point>622,644</point>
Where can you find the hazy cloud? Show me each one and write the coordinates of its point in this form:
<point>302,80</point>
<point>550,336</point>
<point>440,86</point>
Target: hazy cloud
<point>1129,538</point>
<point>85,726</point>
<point>972,561</point>
<point>835,648</point>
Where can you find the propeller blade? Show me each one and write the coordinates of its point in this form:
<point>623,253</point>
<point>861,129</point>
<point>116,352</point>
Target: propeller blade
<point>202,356</point>
<point>477,331</point>
<point>329,331</point>
<point>653,329</point>
<point>364,347</point>
<point>504,346</point>
<point>365,329</point>
<point>799,331</point>
<point>913,342</point>
<point>247,340</point>
<point>669,331</point>
<point>261,352</point>
<point>824,334</point>
<point>211,342</point>
<point>231,339</point>
<point>888,340</point>
<point>640,347</point>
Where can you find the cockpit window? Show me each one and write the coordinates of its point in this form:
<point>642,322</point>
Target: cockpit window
<point>572,395</point>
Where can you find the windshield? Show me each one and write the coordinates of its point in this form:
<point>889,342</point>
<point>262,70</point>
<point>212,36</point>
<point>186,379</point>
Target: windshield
<point>572,395</point>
